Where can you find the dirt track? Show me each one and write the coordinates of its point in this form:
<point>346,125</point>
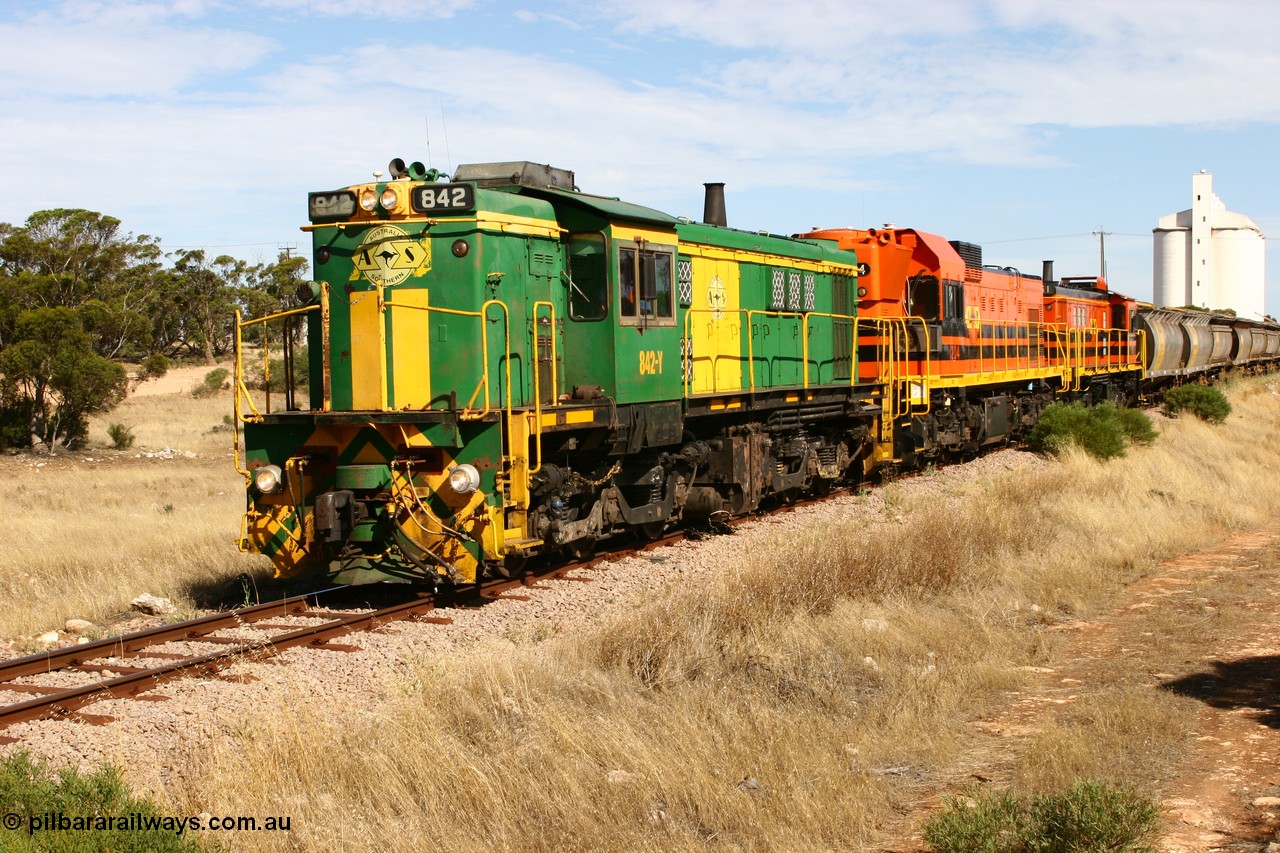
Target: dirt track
<point>1225,795</point>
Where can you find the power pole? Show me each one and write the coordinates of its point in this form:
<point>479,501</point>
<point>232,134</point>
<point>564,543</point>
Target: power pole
<point>1102,249</point>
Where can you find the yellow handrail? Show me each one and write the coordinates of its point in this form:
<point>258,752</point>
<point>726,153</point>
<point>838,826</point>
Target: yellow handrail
<point>537,382</point>
<point>749,314</point>
<point>240,386</point>
<point>236,409</point>
<point>484,383</point>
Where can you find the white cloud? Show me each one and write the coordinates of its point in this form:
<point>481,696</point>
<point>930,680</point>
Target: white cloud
<point>387,9</point>
<point>1095,63</point>
<point>822,27</point>
<point>119,49</point>
<point>191,123</point>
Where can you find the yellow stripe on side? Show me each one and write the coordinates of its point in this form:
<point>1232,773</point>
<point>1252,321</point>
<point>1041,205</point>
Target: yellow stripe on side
<point>410,333</point>
<point>637,233</point>
<point>486,220</point>
<point>509,224</point>
<point>580,416</point>
<point>368,354</point>
<point>740,256</point>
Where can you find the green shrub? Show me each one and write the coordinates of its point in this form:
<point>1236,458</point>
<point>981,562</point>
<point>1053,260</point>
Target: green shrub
<point>1089,816</point>
<point>153,367</point>
<point>1203,401</point>
<point>1062,425</point>
<point>214,382</point>
<point>1102,431</point>
<point>1136,424</point>
<point>15,419</point>
<point>121,436</point>
<point>978,822</point>
<point>36,797</point>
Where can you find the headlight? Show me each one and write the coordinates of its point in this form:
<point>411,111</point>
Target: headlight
<point>368,199</point>
<point>268,479</point>
<point>389,199</point>
<point>464,479</point>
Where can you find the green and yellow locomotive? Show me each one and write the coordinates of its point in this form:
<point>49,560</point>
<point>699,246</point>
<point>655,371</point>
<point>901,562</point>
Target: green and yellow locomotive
<point>503,366</point>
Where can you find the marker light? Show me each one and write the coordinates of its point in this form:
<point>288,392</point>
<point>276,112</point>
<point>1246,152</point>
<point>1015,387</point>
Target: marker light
<point>464,479</point>
<point>268,479</point>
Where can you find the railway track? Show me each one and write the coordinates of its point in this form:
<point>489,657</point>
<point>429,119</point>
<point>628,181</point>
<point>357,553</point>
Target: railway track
<point>131,666</point>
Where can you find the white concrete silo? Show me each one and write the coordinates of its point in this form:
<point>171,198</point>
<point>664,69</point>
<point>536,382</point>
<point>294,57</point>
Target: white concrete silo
<point>1209,257</point>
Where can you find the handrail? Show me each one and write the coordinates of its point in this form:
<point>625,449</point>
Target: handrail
<point>892,337</point>
<point>236,410</point>
<point>241,387</point>
<point>751,313</point>
<point>485,382</point>
<point>1087,351</point>
<point>534,355</point>
<point>1025,333</point>
<point>240,391</point>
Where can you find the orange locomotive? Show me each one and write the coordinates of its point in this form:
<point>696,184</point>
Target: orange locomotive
<point>972,353</point>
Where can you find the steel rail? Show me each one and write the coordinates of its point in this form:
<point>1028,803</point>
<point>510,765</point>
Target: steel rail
<point>133,682</point>
<point>126,645</point>
<point>65,703</point>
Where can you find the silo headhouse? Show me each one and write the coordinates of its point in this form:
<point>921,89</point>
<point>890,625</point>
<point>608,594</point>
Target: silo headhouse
<point>1209,257</point>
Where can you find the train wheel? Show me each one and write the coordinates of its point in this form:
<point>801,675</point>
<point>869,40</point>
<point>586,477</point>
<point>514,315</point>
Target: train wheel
<point>512,567</point>
<point>581,549</point>
<point>651,531</point>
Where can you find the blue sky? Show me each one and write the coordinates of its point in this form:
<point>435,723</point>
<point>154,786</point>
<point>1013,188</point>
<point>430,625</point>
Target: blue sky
<point>1023,125</point>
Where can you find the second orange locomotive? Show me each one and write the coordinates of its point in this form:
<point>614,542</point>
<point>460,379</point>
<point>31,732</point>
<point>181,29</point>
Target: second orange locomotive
<point>980,350</point>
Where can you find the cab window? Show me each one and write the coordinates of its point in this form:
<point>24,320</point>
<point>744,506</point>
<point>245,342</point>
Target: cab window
<point>588,280</point>
<point>646,285</point>
<point>923,293</point>
<point>953,300</point>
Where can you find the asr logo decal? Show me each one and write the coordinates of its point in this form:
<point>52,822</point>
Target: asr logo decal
<point>972,318</point>
<point>716,297</point>
<point>650,362</point>
<point>387,256</point>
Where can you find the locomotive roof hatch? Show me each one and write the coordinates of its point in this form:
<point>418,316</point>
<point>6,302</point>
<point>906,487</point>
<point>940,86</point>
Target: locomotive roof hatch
<point>554,184</point>
<point>518,173</point>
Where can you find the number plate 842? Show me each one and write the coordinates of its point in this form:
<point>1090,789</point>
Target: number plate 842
<point>434,198</point>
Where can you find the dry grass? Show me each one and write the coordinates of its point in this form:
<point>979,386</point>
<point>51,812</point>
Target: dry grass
<point>1126,735</point>
<point>85,537</point>
<point>771,709</point>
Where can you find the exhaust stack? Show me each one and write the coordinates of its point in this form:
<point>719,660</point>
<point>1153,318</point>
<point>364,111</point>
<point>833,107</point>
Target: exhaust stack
<point>1048,272</point>
<point>713,212</point>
